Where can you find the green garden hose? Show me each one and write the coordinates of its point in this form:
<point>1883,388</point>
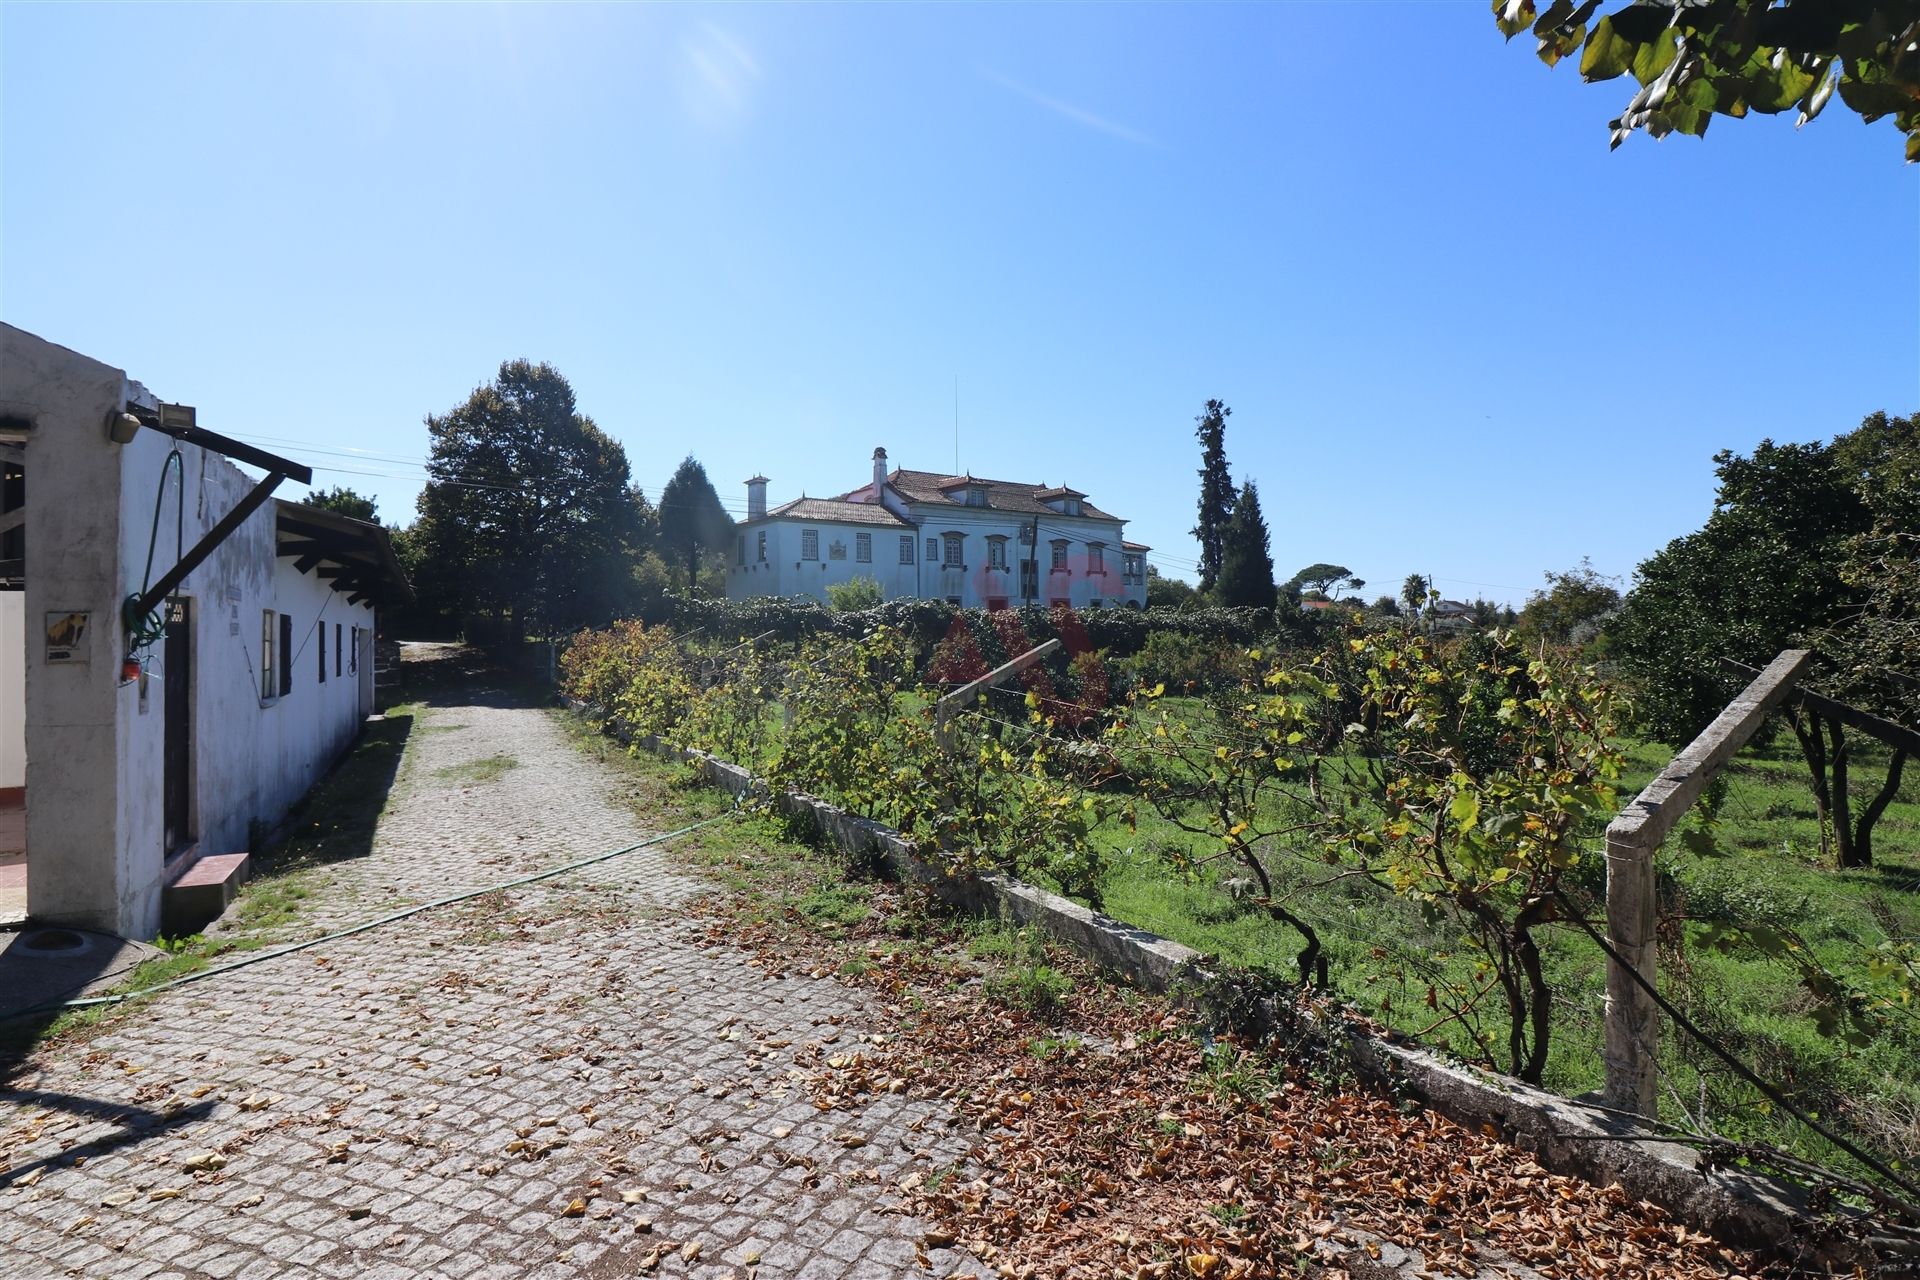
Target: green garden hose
<point>144,630</point>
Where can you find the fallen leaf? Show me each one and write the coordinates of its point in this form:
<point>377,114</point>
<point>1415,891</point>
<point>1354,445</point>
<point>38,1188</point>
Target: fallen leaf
<point>114,1199</point>
<point>575,1207</point>
<point>204,1161</point>
<point>689,1251</point>
<point>633,1195</point>
<point>165,1193</point>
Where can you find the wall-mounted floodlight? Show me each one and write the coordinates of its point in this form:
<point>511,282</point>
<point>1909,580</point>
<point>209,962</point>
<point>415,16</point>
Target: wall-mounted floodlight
<point>122,427</point>
<point>178,417</point>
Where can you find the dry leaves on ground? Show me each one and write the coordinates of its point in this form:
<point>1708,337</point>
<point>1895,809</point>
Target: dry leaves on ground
<point>1116,1141</point>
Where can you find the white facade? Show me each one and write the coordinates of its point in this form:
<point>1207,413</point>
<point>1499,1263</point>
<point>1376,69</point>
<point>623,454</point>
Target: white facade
<point>97,768</point>
<point>973,542</point>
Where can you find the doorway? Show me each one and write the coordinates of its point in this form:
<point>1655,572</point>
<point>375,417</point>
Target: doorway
<point>176,664</point>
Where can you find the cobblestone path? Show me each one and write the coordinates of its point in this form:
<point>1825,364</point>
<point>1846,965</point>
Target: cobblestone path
<point>562,1080</point>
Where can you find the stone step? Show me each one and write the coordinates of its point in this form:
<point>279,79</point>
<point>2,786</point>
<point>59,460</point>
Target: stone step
<point>197,895</point>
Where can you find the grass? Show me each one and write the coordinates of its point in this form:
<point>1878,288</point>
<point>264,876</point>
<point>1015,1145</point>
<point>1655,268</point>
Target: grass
<point>476,772</point>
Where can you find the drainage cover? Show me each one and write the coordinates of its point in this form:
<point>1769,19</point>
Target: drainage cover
<point>50,942</point>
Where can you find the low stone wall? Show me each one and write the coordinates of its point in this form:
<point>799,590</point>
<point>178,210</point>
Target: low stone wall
<point>1564,1135</point>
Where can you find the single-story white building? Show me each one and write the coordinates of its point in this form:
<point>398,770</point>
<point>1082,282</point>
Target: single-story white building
<point>182,656</point>
<point>923,535</point>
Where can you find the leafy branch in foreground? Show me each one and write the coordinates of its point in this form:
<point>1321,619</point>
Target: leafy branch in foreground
<point>1703,58</point>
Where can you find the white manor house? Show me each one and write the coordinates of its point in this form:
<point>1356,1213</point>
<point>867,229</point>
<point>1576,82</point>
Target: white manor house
<point>977,543</point>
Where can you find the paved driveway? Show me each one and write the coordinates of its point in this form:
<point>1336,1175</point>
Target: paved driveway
<point>563,1080</point>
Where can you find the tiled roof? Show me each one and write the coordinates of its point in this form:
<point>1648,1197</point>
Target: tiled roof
<point>1002,495</point>
<point>837,512</point>
<point>1134,546</point>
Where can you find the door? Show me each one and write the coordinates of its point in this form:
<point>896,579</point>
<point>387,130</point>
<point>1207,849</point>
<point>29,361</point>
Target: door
<point>176,658</point>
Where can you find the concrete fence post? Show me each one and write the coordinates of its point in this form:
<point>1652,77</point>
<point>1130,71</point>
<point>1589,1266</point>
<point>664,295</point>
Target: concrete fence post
<point>1633,1019</point>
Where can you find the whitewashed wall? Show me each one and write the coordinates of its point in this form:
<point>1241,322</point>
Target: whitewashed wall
<point>95,746</point>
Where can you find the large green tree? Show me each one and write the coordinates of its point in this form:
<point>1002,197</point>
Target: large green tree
<point>1246,559</point>
<point>527,516</point>
<point>1700,58</point>
<point>1216,490</point>
<point>1805,546</point>
<point>344,501</point>
<point>692,519</point>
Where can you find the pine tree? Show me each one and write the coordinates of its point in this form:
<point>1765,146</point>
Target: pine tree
<point>1216,490</point>
<point>1246,559</point>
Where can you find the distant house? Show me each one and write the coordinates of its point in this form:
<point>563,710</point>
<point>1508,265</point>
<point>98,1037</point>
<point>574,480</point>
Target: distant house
<point>970,541</point>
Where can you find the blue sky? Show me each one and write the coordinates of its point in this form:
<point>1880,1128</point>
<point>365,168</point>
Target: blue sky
<point>1458,335</point>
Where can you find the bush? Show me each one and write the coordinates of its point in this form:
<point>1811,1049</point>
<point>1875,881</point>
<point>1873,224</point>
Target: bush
<point>854,595</point>
<point>1187,663</point>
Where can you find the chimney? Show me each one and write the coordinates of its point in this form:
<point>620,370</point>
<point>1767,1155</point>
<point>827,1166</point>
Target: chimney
<point>879,472</point>
<point>757,498</point>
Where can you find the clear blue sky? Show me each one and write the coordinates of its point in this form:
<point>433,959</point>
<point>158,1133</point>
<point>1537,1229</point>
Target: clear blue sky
<point>1458,335</point>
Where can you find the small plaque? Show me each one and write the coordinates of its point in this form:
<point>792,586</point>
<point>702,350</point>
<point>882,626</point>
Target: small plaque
<point>67,637</point>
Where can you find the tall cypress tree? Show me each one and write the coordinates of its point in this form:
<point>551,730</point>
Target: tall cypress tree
<point>1246,558</point>
<point>1216,490</point>
<point>692,519</point>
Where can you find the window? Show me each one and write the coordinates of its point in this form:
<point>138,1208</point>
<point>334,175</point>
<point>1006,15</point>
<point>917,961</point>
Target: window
<point>1130,566</point>
<point>320,648</point>
<point>269,645</point>
<point>761,553</point>
<point>996,603</point>
<point>863,548</point>
<point>809,544</point>
<point>933,550</point>
<point>955,555</point>
<point>954,601</point>
<point>286,654</point>
<point>336,648</point>
<point>906,548</point>
<point>1059,564</point>
<point>996,551</point>
<point>1096,557</point>
<point>1071,507</point>
<point>353,654</point>
<point>976,497</point>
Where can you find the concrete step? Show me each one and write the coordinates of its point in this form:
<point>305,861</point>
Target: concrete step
<point>199,892</point>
